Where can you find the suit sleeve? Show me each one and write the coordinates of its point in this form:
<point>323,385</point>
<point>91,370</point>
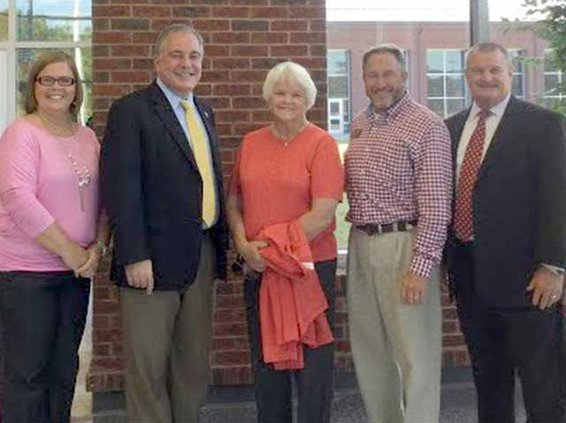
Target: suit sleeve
<point>122,184</point>
<point>550,194</point>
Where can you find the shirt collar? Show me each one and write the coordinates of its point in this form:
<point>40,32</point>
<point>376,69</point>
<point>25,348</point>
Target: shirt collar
<point>173,98</point>
<point>392,110</point>
<point>496,110</point>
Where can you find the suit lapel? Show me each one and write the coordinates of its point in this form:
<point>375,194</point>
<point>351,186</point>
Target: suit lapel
<point>501,135</point>
<point>164,111</point>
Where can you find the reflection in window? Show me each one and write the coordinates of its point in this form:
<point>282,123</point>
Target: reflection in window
<point>517,87</point>
<point>83,57</point>
<point>553,82</point>
<point>446,89</point>
<point>3,20</point>
<point>338,92</point>
<point>49,20</point>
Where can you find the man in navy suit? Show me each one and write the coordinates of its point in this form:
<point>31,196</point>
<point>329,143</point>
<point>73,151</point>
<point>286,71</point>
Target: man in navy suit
<point>506,253</point>
<point>162,188</point>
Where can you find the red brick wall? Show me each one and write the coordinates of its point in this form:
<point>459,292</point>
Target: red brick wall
<point>243,40</point>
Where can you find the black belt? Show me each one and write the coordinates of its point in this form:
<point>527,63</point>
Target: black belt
<point>374,228</point>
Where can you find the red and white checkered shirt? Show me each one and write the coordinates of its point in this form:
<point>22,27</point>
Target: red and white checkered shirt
<point>399,168</point>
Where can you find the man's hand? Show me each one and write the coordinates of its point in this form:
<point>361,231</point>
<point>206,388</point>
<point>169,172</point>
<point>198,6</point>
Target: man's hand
<point>250,252</point>
<point>140,275</point>
<point>546,287</point>
<point>413,289</point>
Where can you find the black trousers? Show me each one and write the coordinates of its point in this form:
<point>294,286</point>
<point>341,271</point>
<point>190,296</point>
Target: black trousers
<point>273,388</point>
<point>503,342</point>
<point>43,318</point>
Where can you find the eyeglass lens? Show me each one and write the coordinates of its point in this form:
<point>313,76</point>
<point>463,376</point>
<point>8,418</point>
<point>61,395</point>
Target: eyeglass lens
<point>63,81</point>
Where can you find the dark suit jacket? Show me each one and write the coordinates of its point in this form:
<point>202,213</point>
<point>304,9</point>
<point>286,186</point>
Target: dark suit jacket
<point>152,190</point>
<point>519,203</point>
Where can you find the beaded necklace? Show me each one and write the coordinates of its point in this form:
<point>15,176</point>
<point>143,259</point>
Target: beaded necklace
<point>83,175</point>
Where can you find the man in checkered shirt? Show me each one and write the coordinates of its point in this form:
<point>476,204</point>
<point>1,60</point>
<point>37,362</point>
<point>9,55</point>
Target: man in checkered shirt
<point>398,180</point>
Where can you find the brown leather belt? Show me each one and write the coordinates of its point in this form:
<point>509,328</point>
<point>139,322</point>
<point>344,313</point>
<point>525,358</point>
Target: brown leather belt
<point>374,228</point>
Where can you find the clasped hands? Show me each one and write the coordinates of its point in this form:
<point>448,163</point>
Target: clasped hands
<point>83,261</point>
<point>249,250</point>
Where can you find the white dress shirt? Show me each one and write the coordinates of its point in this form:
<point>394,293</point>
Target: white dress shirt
<point>491,124</point>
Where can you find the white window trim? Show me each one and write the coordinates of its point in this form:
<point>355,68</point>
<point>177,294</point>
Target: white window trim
<point>11,46</point>
<point>561,80</point>
<point>445,97</point>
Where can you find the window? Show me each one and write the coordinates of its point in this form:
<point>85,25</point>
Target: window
<point>39,26</point>
<point>517,87</point>
<point>61,20</point>
<point>446,85</point>
<point>553,81</point>
<point>3,20</point>
<point>338,65</point>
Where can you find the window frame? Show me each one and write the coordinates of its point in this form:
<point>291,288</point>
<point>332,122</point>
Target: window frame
<point>444,74</point>
<point>11,47</point>
<point>561,76</point>
<point>347,74</point>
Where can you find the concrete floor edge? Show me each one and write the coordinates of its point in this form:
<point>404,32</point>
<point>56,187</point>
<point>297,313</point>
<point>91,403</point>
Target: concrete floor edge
<point>235,404</point>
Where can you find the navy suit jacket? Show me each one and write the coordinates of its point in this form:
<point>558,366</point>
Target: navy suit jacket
<point>152,190</point>
<point>519,203</point>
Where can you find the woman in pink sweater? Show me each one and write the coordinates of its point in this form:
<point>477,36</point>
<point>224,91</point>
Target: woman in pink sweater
<point>51,241</point>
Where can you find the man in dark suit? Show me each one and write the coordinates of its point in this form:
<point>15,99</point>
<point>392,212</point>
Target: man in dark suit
<point>507,250</point>
<point>162,188</point>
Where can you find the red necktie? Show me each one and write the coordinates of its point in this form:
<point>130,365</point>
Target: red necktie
<point>463,213</point>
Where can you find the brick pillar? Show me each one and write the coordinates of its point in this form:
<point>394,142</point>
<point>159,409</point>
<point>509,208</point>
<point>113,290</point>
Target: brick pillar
<point>243,40</point>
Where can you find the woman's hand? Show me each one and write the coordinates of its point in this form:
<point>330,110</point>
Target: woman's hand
<point>250,252</point>
<point>89,268</point>
<point>75,257</point>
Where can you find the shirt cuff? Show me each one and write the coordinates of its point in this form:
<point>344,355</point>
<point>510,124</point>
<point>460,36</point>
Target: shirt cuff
<point>554,269</point>
<point>421,266</point>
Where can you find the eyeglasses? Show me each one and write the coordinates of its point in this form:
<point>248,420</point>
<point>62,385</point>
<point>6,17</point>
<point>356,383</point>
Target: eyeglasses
<point>62,81</point>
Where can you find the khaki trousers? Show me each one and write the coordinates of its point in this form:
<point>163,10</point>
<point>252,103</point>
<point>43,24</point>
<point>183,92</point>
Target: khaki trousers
<point>167,338</point>
<point>396,347</point>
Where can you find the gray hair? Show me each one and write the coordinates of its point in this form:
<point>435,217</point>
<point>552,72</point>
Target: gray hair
<point>292,70</point>
<point>488,47</point>
<point>177,27</point>
<point>392,49</point>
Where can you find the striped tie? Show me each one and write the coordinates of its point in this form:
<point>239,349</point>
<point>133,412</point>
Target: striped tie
<point>201,151</point>
<point>463,213</point>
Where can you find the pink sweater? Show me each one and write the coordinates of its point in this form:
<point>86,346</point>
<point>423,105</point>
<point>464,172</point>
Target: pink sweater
<point>39,186</point>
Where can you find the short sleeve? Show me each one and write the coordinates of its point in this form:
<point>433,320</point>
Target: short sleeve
<point>327,172</point>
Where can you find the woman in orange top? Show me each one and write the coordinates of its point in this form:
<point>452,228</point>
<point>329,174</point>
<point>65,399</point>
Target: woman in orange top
<point>288,171</point>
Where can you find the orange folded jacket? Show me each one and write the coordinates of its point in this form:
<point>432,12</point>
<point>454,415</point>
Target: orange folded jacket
<point>291,299</point>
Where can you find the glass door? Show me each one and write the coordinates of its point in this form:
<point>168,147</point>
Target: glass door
<point>335,116</point>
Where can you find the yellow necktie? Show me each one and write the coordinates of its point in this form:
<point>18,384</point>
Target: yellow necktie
<point>203,157</point>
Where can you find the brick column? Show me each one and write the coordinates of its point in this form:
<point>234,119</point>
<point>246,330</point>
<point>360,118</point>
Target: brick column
<point>243,40</point>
